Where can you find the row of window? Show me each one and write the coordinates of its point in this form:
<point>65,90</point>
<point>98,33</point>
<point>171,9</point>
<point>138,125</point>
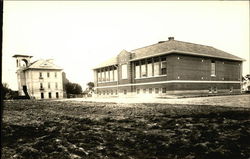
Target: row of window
<point>215,90</point>
<point>145,68</point>
<point>107,75</point>
<point>48,75</point>
<point>138,91</point>
<point>111,92</point>
<point>49,95</point>
<point>49,85</point>
<point>152,90</point>
<point>150,68</point>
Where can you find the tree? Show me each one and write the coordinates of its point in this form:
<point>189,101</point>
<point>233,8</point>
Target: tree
<point>91,85</point>
<point>7,92</point>
<point>73,88</point>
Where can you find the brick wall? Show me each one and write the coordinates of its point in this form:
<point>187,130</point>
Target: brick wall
<point>199,68</point>
<point>181,67</point>
<point>184,67</point>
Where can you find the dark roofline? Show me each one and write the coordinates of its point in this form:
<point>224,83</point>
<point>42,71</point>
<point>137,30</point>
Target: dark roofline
<point>187,53</point>
<point>42,69</point>
<point>18,55</point>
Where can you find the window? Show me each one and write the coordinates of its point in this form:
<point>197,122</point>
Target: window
<point>125,91</point>
<point>40,75</point>
<point>124,71</point>
<point>48,85</point>
<point>143,69</point>
<point>215,89</point>
<point>164,90</point>
<point>150,68</point>
<point>212,68</point>
<point>156,90</point>
<point>107,75</point>
<point>111,92</point>
<point>150,90</point>
<point>99,76</point>
<point>116,92</point>
<point>231,89</point>
<point>48,74</point>
<point>137,70</point>
<point>55,74</point>
<point>115,75</point>
<point>210,90</point>
<point>138,91</point>
<point>103,76</point>
<point>50,95</point>
<point>156,68</point>
<point>163,66</point>
<point>57,95</point>
<point>41,85</point>
<point>56,85</point>
<point>42,95</point>
<point>111,75</point>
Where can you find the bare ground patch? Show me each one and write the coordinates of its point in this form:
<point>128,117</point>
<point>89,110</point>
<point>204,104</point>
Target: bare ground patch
<point>70,129</point>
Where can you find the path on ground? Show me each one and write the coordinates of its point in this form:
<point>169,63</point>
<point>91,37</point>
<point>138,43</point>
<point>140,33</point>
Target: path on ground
<point>231,100</point>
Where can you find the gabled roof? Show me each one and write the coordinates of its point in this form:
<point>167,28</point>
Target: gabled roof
<point>43,64</point>
<point>174,46</point>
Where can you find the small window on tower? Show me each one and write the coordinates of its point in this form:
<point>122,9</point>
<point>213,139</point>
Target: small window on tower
<point>47,74</point>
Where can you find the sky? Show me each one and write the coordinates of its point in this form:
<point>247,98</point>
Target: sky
<point>79,35</point>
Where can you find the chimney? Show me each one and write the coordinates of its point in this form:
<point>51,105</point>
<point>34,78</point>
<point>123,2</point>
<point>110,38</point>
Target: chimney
<point>170,38</point>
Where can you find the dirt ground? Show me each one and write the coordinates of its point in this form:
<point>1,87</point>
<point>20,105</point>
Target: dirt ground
<point>71,129</point>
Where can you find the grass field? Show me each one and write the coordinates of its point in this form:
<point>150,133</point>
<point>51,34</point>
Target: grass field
<point>84,129</point>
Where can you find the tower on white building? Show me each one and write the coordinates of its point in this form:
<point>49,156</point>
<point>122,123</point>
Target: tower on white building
<point>40,79</point>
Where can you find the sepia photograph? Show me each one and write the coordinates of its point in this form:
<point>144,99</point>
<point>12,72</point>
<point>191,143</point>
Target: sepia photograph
<point>125,79</point>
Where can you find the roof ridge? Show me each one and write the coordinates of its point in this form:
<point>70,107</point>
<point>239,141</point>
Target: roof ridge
<point>162,42</point>
<point>152,45</point>
<point>208,46</point>
<point>193,43</point>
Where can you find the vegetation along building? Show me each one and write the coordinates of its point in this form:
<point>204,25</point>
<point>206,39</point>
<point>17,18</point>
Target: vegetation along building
<point>169,67</point>
<point>40,79</point>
